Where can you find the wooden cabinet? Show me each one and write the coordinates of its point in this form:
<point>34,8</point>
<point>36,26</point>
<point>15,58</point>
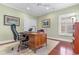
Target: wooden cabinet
<point>76,37</point>
<point>37,40</point>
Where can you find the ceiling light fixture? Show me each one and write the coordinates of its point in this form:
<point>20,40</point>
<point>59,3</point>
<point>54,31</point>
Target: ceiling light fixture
<point>28,8</point>
<point>47,8</point>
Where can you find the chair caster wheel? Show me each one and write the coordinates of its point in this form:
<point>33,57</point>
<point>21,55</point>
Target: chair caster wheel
<point>12,49</point>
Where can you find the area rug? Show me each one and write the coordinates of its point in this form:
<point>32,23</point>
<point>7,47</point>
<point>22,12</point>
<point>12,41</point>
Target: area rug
<point>42,51</point>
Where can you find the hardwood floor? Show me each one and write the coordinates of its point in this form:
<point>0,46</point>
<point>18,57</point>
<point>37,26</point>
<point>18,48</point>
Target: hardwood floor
<point>63,48</point>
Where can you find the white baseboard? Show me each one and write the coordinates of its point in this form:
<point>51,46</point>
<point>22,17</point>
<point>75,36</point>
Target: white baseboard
<point>6,41</point>
<point>68,40</point>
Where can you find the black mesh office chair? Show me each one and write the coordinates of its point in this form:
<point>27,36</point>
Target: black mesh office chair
<point>41,30</point>
<point>15,33</point>
<point>24,39</point>
<point>21,37</point>
<point>30,29</point>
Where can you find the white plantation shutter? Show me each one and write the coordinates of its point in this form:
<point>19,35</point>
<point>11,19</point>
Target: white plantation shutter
<point>66,24</point>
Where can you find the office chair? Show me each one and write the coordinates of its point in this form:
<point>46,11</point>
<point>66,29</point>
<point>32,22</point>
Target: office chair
<point>15,33</point>
<point>30,29</point>
<point>19,37</point>
<point>41,30</point>
<point>23,41</point>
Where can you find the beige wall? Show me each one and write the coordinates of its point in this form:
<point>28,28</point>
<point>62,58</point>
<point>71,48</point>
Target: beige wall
<point>53,30</point>
<point>5,31</point>
<point>6,34</point>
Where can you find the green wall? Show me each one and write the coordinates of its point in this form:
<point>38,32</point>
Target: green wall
<point>53,30</point>
<point>5,31</point>
<point>6,34</point>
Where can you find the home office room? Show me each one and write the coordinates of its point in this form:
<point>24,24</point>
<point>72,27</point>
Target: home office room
<point>39,28</point>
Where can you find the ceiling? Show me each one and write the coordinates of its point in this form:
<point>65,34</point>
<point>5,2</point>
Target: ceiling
<point>38,9</point>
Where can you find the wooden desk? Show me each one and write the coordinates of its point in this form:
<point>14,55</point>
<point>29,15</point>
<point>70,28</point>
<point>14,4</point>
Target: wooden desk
<point>37,40</point>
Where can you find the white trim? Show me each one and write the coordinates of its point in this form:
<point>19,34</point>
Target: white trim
<point>68,40</point>
<point>2,42</point>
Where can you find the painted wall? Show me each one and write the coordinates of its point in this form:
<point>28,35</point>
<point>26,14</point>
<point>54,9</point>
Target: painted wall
<point>53,30</point>
<point>5,31</point>
<point>32,23</point>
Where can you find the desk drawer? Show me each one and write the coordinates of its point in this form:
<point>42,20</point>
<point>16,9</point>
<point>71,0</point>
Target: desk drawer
<point>31,45</point>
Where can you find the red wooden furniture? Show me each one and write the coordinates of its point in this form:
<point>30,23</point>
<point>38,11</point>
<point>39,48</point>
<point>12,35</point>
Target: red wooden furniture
<point>76,37</point>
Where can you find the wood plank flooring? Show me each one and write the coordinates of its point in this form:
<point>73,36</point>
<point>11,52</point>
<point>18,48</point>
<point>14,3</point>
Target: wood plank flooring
<point>63,48</point>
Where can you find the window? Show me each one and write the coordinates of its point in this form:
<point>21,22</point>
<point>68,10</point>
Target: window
<point>66,24</point>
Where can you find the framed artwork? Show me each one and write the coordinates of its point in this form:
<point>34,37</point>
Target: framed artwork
<point>8,20</point>
<point>46,23</point>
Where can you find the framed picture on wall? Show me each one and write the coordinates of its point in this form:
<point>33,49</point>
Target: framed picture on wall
<point>46,23</point>
<point>8,20</point>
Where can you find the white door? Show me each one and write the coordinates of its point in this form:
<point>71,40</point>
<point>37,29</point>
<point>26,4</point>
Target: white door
<point>30,23</point>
